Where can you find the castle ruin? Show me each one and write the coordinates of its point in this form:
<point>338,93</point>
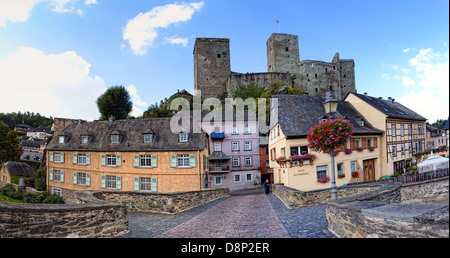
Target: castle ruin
<point>214,78</point>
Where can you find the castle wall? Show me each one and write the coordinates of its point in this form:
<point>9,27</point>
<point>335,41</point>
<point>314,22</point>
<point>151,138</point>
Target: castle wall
<point>261,79</point>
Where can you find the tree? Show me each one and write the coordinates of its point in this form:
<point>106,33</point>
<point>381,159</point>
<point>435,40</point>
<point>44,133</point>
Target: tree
<point>157,111</point>
<point>10,149</point>
<point>115,102</point>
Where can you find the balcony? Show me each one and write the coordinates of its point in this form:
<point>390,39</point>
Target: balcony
<point>221,169</point>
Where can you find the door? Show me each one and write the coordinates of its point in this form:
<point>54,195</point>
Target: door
<point>369,170</point>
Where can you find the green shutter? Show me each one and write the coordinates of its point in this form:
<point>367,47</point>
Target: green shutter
<point>118,160</point>
<point>51,156</point>
<point>75,178</point>
<point>192,160</point>
<point>75,158</point>
<point>103,159</point>
<point>103,183</point>
<point>62,176</point>
<point>154,184</point>
<point>88,179</point>
<point>154,161</point>
<point>62,157</point>
<point>51,174</point>
<point>136,161</point>
<point>118,182</point>
<point>136,183</point>
<point>88,159</point>
<point>173,160</point>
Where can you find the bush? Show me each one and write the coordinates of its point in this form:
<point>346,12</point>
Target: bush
<point>9,190</point>
<point>43,197</point>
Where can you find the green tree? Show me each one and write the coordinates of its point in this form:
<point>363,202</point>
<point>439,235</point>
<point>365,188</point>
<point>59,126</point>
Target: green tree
<point>157,111</point>
<point>115,102</point>
<point>10,149</point>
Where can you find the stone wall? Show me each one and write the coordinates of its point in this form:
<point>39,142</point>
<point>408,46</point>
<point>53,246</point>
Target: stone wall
<point>294,198</point>
<point>170,203</point>
<point>94,218</point>
<point>430,191</point>
<point>380,214</point>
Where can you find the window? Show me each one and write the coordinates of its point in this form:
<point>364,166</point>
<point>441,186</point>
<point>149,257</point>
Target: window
<point>82,159</point>
<point>248,177</point>
<point>58,157</point>
<point>403,149</point>
<point>183,161</point>
<point>340,168</point>
<point>393,130</point>
<point>248,161</point>
<point>218,180</point>
<point>267,150</point>
<point>410,147</point>
<point>321,171</point>
<point>402,128</point>
<point>84,139</point>
<point>148,138</point>
<point>247,129</point>
<point>234,130</point>
<point>369,142</point>
<point>146,161</point>
<point>183,137</point>
<point>57,191</point>
<point>235,146</point>
<point>353,166</point>
<point>248,145</point>
<point>114,138</point>
<point>111,182</point>
<point>111,160</point>
<point>394,150</point>
<point>267,163</point>
<point>145,184</point>
<point>357,143</point>
<point>299,150</point>
<point>217,146</point>
<point>237,178</point>
<point>57,175</point>
<point>81,178</point>
<point>62,139</point>
<point>236,162</point>
<point>409,130</point>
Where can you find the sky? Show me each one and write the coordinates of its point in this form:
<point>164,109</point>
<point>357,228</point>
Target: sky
<point>58,56</point>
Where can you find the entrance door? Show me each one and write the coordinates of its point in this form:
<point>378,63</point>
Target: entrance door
<point>369,170</point>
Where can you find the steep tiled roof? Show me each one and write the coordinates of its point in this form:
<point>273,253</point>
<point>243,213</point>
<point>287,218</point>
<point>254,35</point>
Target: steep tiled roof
<point>391,108</point>
<point>19,169</point>
<point>297,114</point>
<point>131,136</point>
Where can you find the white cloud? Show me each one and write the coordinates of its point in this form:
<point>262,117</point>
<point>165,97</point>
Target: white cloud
<point>177,41</point>
<point>89,2</point>
<point>406,81</point>
<point>15,11</point>
<point>57,85</point>
<point>427,103</point>
<point>142,30</point>
<point>136,101</point>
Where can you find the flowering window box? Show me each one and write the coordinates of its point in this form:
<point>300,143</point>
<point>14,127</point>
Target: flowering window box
<point>355,174</point>
<point>323,180</point>
<point>341,175</point>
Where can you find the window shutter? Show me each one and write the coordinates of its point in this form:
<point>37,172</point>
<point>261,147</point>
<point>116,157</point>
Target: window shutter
<point>62,176</point>
<point>103,159</point>
<point>51,174</point>
<point>51,156</point>
<point>74,178</point>
<point>136,183</point>
<point>75,157</point>
<point>192,160</point>
<point>62,157</point>
<point>173,160</point>
<point>88,159</point>
<point>88,179</point>
<point>136,161</point>
<point>118,182</point>
<point>375,142</point>
<point>154,161</point>
<point>364,143</point>
<point>103,181</point>
<point>154,184</point>
<point>118,160</point>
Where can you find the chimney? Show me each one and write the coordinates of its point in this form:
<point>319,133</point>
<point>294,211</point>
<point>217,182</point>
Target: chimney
<point>111,119</point>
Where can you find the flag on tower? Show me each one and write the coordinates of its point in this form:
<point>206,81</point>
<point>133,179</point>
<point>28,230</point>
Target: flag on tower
<point>278,22</point>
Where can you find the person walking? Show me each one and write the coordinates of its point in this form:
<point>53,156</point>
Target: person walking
<point>267,186</point>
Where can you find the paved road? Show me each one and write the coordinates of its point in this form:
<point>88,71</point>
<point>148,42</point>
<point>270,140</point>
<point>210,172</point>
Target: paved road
<point>245,214</point>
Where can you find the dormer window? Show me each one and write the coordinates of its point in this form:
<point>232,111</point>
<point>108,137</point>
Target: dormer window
<point>148,138</point>
<point>183,137</point>
<point>115,138</point>
<point>62,139</point>
<point>84,139</point>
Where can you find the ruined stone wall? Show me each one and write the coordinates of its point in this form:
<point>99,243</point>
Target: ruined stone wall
<point>261,79</point>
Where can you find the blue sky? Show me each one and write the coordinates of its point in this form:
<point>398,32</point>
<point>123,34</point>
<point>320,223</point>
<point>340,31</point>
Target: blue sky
<point>58,56</point>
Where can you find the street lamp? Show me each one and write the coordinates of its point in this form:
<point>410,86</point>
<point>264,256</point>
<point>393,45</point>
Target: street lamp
<point>330,106</point>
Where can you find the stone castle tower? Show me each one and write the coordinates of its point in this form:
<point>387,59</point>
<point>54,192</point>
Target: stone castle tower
<point>213,76</point>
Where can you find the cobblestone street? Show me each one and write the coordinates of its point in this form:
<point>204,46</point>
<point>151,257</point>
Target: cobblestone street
<point>245,214</point>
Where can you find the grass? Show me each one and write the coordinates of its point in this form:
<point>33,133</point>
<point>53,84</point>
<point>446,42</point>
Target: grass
<point>9,199</point>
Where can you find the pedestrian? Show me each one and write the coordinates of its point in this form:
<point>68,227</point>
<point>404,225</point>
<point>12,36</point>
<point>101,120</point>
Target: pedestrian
<point>267,186</point>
